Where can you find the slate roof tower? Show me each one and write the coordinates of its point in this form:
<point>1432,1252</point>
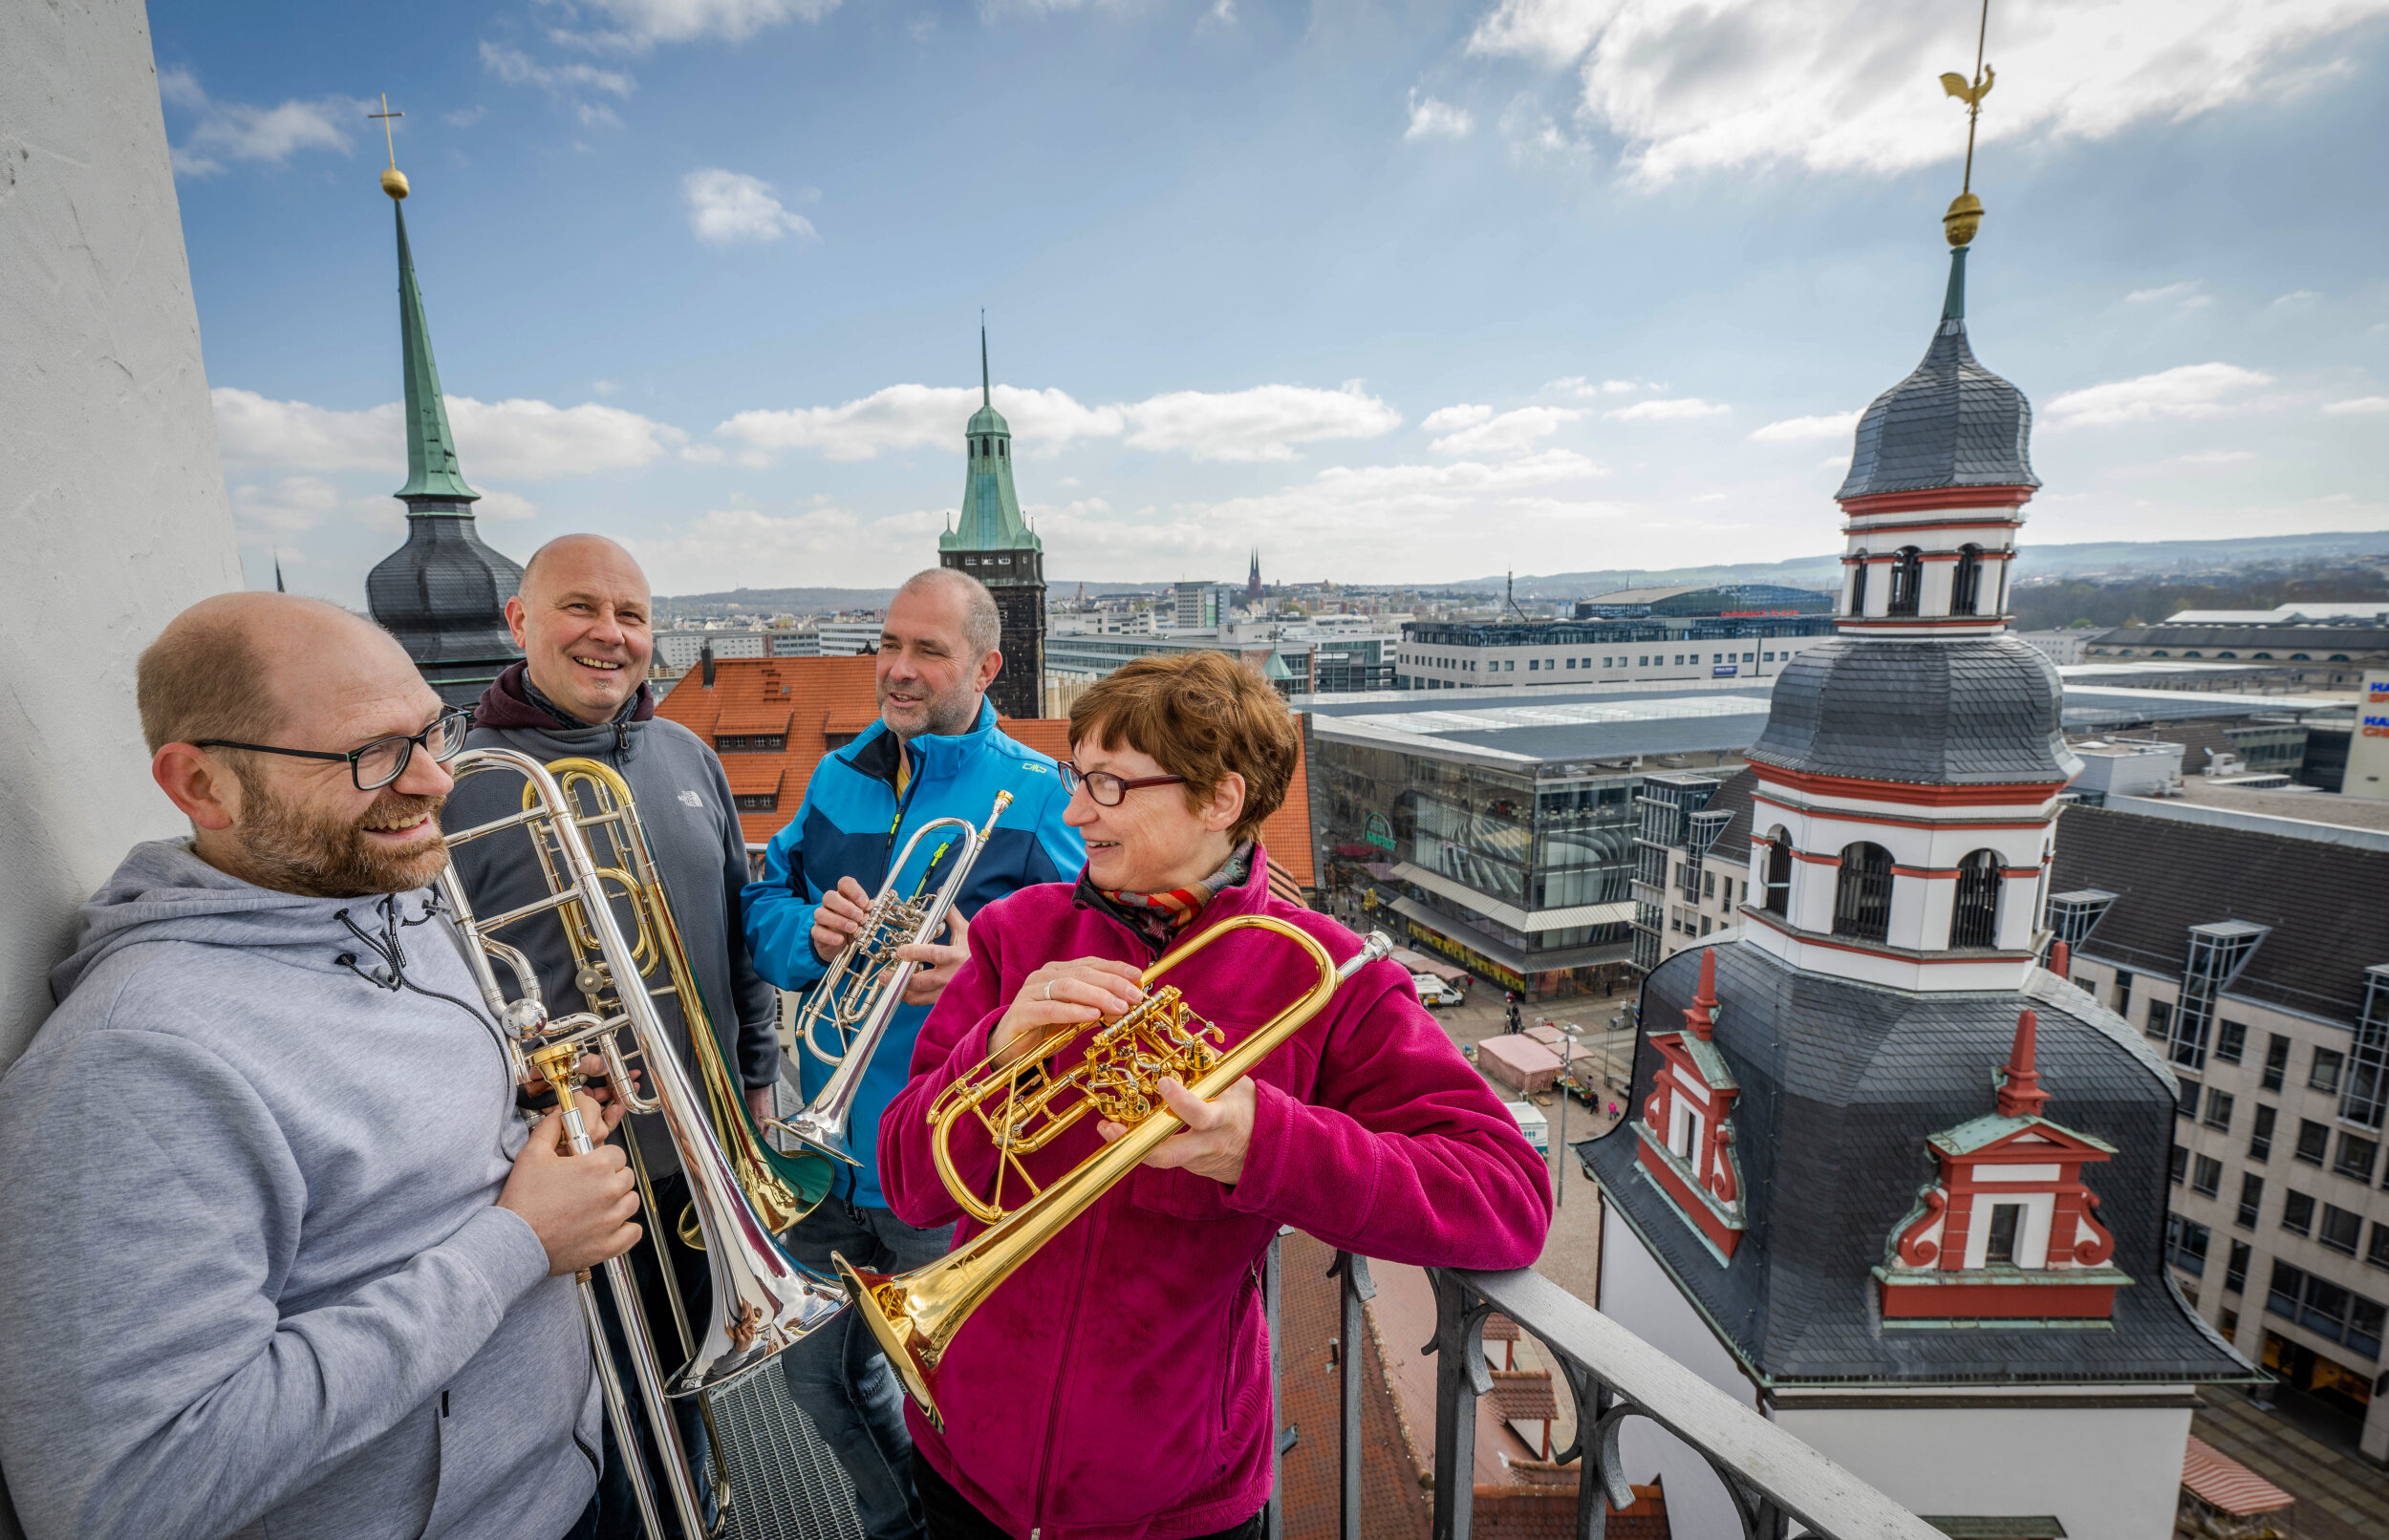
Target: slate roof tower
<point>994,544</point>
<point>442,594</point>
<point>1829,1192</point>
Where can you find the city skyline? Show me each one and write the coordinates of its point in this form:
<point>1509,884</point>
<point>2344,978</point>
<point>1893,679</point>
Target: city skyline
<point>1398,294</point>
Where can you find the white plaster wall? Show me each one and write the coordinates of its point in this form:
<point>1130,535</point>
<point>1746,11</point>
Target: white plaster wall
<point>2110,1473</point>
<point>111,504</point>
<point>1636,1292</point>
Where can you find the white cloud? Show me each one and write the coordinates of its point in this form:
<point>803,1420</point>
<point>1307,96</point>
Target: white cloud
<point>289,506</point>
<point>1807,430</point>
<point>464,116</point>
<point>231,131</point>
<point>2189,295</point>
<point>505,508</point>
<point>747,547</point>
<point>571,82</point>
<point>1262,423</point>
<point>2297,296</point>
<point>1433,119</point>
<point>2357,405</point>
<point>1577,385</point>
<point>2190,391</point>
<point>729,206</point>
<point>519,440</point>
<point>641,23</point>
<point>2216,456</point>
<point>916,416</point>
<point>1850,85</point>
<point>1476,430</point>
<point>1666,409</point>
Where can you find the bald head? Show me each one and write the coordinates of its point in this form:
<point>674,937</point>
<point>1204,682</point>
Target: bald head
<point>231,666</point>
<point>570,558</point>
<point>974,607</point>
<point>581,618</point>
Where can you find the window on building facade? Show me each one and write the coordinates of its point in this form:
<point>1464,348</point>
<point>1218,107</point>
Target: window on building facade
<point>1778,899</point>
<point>2324,1307</point>
<point>2378,1253</point>
<point>1907,581</point>
<point>1704,921</point>
<point>759,803</point>
<point>2260,1134</point>
<point>2160,1019</point>
<point>2323,1073</point>
<point>1966,584</point>
<point>1999,1246</point>
<point>2230,1042</point>
<point>2179,1166</point>
<point>2185,1243</point>
<point>2297,1213</point>
<point>1975,913</point>
<point>1708,884</point>
<point>1858,585</point>
<point>2313,1139</point>
<point>2186,1100</point>
<point>2357,1156</point>
<point>2218,1109</point>
<point>1862,899</point>
<point>2367,1091</point>
<point>2252,1200</point>
<point>2205,1176</point>
<point>2124,992</point>
<point>2235,1271</point>
<point>751,744</point>
<point>2340,1228</point>
<point>2276,1061</point>
<point>2218,952</point>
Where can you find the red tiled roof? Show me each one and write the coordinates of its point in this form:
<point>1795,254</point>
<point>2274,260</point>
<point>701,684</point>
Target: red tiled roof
<point>755,775</point>
<point>2222,1482</point>
<point>812,699</point>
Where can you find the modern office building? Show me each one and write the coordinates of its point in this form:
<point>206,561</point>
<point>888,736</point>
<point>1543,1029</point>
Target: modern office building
<point>2325,646</point>
<point>1690,877</point>
<point>2254,955</point>
<point>1502,835</point>
<point>1740,601</point>
<point>1561,655</point>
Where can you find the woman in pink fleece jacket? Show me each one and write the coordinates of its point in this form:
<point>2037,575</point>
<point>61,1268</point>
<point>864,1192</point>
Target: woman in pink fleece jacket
<point>1116,1386</point>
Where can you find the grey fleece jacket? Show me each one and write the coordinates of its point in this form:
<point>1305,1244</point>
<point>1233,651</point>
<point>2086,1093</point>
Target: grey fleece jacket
<point>254,1281</point>
<point>684,805</point>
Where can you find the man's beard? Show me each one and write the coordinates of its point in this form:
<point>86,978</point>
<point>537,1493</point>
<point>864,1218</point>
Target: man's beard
<point>295,850</point>
<point>955,711</point>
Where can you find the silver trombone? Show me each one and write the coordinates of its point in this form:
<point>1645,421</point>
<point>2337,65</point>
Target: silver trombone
<point>858,996</point>
<point>763,1300</point>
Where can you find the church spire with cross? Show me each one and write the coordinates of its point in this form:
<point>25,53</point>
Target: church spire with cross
<point>993,542</point>
<point>442,594</point>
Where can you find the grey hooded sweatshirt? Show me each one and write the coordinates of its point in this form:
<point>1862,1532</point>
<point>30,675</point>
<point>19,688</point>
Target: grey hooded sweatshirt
<point>254,1281</point>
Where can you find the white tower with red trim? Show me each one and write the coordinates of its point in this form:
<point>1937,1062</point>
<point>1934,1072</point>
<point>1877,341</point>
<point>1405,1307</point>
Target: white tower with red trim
<point>1908,776</point>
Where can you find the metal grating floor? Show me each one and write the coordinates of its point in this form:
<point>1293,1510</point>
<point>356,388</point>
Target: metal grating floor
<point>785,1482</point>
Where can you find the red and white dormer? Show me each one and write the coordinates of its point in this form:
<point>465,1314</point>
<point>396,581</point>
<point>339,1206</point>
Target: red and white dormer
<point>2009,1231</point>
<point>1684,1138</point>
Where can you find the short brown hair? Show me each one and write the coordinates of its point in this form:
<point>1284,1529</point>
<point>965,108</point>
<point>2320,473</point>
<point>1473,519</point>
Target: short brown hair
<point>204,677</point>
<point>1201,716</point>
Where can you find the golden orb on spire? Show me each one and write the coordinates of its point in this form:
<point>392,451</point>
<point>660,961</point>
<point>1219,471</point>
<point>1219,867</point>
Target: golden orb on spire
<point>394,183</point>
<point>1959,224</point>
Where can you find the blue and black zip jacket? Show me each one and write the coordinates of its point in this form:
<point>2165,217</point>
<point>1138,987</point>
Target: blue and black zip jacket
<point>852,822</point>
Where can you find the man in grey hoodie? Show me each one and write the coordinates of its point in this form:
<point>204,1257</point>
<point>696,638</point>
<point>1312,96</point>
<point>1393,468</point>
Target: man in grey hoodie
<point>282,1258</point>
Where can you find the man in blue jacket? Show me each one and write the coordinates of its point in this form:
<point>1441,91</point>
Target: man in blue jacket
<point>933,753</point>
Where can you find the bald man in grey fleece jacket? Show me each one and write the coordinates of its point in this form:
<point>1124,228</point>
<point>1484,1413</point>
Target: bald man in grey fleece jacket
<point>281,1258</point>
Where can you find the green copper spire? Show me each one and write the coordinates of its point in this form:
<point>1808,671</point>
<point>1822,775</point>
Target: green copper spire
<point>991,512</point>
<point>431,468</point>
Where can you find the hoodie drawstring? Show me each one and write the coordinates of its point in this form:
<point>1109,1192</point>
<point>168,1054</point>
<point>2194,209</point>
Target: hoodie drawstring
<point>392,973</point>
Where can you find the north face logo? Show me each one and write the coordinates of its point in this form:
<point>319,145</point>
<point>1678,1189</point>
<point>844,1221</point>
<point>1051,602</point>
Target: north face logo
<point>692,799</point>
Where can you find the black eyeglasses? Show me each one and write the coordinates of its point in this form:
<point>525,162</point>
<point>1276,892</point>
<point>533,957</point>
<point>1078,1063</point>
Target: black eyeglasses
<point>381,762</point>
<point>1105,788</point>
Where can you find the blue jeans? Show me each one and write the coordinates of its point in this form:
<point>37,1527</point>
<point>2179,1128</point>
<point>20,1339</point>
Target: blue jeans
<point>838,1375</point>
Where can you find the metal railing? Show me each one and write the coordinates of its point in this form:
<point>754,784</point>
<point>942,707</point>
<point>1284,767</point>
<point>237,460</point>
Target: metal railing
<point>1773,1478</point>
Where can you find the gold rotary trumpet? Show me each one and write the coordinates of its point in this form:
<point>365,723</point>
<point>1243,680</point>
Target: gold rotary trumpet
<point>914,1314</point>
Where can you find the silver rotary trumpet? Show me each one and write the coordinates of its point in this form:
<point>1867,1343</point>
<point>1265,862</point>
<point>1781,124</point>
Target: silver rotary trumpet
<point>763,1300</point>
<point>858,996</point>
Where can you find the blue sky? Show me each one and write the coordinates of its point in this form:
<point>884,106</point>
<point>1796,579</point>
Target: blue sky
<point>1396,292</point>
